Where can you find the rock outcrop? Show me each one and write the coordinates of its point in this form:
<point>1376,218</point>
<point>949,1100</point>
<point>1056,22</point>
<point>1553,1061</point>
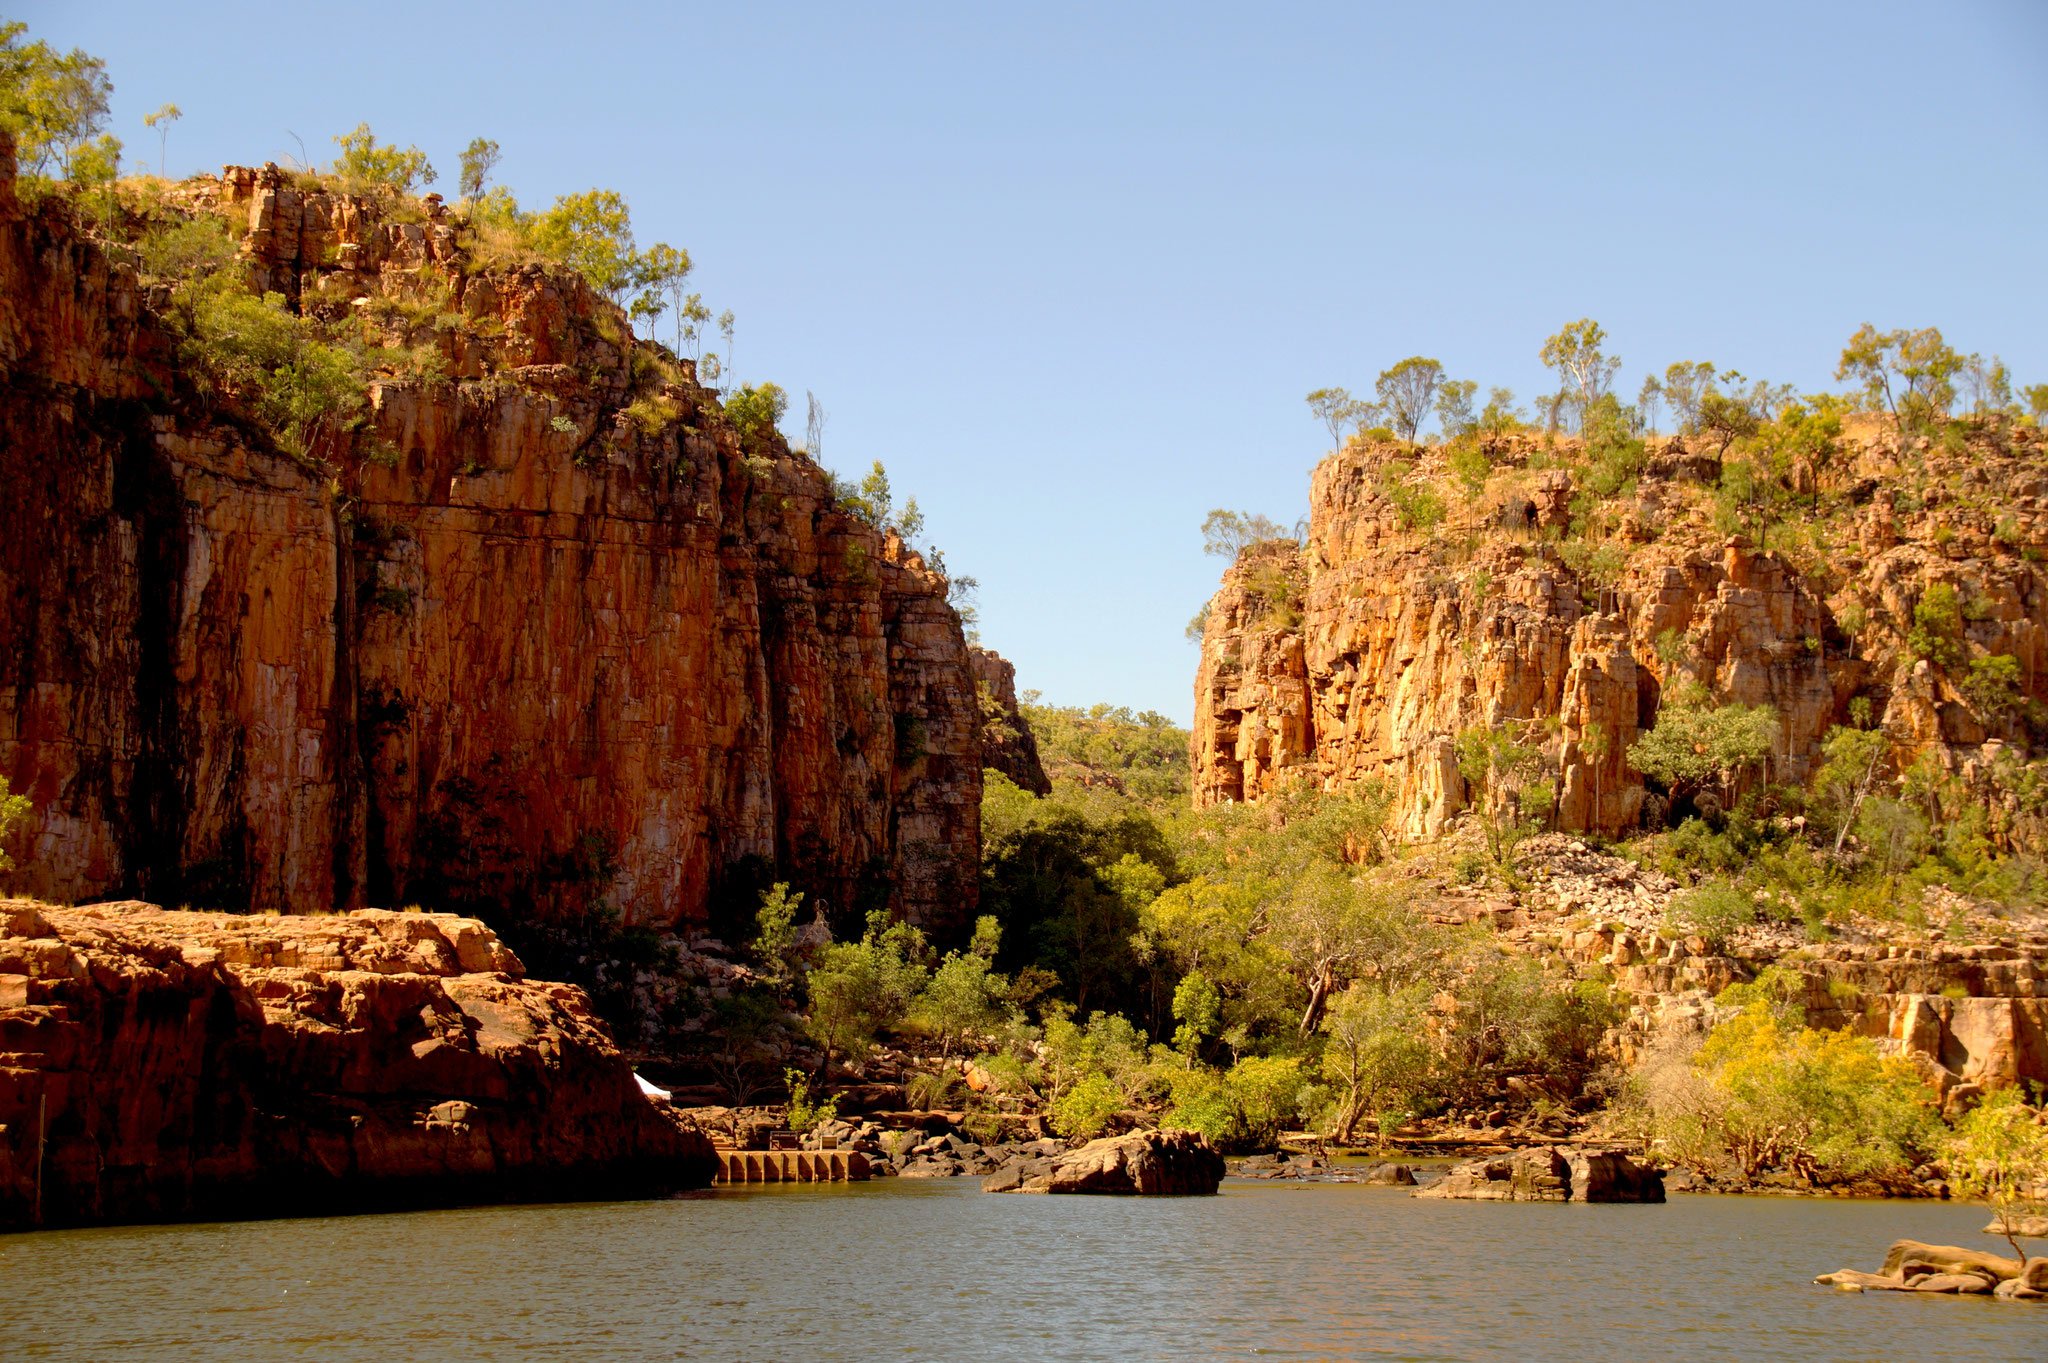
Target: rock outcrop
<point>1551,1174</point>
<point>547,629</point>
<point>1007,743</point>
<point>167,1065</point>
<point>1151,1163</point>
<point>1913,1267</point>
<point>1361,653</point>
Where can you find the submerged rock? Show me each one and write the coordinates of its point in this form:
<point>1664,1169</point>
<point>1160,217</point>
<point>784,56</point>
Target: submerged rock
<point>1150,1163</point>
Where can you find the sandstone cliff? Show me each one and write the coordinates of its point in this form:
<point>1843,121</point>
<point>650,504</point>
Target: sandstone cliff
<point>1363,652</point>
<point>1007,743</point>
<point>549,629</point>
<point>183,1065</point>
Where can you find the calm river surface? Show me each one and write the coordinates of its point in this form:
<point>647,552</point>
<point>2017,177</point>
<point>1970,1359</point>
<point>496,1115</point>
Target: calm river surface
<point>916,1269</point>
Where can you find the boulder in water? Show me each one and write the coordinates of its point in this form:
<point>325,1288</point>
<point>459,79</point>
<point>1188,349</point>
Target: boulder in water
<point>1547,1174</point>
<point>1148,1163</point>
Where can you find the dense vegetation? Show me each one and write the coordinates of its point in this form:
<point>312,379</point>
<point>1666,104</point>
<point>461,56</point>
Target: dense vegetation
<point>1876,826</point>
<point>1241,970</point>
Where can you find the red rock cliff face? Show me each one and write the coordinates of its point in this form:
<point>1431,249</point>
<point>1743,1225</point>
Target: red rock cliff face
<point>1361,654</point>
<point>181,1065</point>
<point>522,642</point>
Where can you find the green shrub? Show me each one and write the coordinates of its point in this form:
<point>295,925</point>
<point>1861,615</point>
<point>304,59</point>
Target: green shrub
<point>1084,1111</point>
<point>365,165</point>
<point>804,1112</point>
<point>1937,624</point>
<point>275,365</point>
<point>1714,911</point>
<point>754,409</point>
<point>1417,504</point>
<point>1470,466</point>
<point>14,812</point>
<point>1824,1105</point>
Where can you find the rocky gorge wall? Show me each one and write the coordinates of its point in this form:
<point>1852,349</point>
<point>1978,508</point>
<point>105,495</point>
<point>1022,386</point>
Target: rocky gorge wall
<point>160,1065</point>
<point>1007,743</point>
<point>548,630</point>
<point>1361,653</point>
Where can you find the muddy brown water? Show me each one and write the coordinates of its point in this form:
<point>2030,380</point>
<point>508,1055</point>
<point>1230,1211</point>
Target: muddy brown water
<point>936,1269</point>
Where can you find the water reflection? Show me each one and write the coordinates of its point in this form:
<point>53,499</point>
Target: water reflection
<point>937,1270</point>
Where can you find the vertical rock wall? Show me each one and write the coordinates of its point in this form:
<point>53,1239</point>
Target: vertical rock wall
<point>528,640</point>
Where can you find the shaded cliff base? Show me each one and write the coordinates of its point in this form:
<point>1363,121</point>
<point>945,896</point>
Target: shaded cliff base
<point>163,1065</point>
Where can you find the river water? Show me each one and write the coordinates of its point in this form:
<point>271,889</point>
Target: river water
<point>936,1269</point>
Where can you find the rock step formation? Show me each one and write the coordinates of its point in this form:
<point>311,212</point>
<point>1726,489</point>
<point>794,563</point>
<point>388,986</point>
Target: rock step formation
<point>549,631</point>
<point>161,1065</point>
<point>791,1166</point>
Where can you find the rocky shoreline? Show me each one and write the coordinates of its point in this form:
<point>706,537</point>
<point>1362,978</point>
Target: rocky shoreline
<point>161,1065</point>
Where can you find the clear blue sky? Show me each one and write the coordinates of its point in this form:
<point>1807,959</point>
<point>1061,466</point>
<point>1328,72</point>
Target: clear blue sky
<point>1068,270</point>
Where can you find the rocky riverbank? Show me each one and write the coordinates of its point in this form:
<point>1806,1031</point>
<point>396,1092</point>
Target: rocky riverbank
<point>163,1065</point>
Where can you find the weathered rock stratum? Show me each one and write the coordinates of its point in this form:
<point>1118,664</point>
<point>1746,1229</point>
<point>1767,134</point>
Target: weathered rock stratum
<point>168,1065</point>
<point>546,629</point>
<point>1361,653</point>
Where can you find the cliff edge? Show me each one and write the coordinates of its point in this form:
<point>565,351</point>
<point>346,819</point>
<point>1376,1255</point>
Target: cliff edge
<point>541,628</point>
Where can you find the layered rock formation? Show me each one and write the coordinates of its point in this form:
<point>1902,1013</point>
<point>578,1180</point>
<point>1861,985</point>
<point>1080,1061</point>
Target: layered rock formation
<point>1362,653</point>
<point>1007,743</point>
<point>160,1065</point>
<point>549,630</point>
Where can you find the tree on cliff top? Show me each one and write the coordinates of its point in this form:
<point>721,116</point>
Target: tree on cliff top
<point>1406,393</point>
<point>592,233</point>
<point>1924,366</point>
<point>479,159</point>
<point>54,103</point>
<point>1336,409</point>
<point>1585,371</point>
<point>365,165</point>
<point>1228,533</point>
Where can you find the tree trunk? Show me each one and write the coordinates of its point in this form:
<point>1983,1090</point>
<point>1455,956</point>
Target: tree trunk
<point>1318,998</point>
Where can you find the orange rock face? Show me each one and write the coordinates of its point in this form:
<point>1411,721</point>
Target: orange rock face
<point>1007,743</point>
<point>1363,653</point>
<point>548,632</point>
<point>180,1065</point>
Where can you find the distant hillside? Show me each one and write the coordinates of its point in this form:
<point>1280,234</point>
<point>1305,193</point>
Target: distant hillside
<point>1142,755</point>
